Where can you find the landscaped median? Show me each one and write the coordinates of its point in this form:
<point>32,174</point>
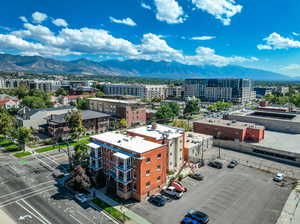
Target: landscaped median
<point>22,154</point>
<point>111,210</point>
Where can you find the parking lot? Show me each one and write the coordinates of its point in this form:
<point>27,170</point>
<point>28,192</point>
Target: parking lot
<point>229,196</point>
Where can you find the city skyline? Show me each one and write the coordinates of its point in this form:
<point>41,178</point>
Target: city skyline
<point>198,32</point>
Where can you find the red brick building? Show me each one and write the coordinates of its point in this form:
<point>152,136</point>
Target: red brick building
<point>132,111</point>
<point>136,167</point>
<point>230,130</point>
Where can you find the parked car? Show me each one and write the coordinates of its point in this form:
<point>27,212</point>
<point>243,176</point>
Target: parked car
<point>178,186</point>
<point>278,177</point>
<point>158,200</point>
<point>197,176</point>
<point>171,191</point>
<point>216,164</point>
<point>189,220</point>
<point>81,197</point>
<point>198,216</point>
<point>232,164</point>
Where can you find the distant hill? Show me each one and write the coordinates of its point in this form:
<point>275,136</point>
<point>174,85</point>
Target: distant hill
<point>141,68</point>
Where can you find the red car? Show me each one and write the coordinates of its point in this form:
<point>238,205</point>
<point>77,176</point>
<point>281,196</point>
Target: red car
<point>178,186</point>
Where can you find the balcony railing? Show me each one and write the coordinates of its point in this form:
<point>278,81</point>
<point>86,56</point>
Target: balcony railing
<point>121,180</point>
<point>95,167</point>
<point>121,167</point>
<point>95,155</point>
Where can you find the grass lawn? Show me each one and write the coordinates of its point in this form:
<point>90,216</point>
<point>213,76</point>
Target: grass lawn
<point>110,210</point>
<point>22,154</point>
<point>8,145</point>
<point>53,147</point>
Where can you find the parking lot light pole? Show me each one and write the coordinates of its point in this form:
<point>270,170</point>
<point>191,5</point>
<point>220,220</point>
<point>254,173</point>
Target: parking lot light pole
<point>218,138</point>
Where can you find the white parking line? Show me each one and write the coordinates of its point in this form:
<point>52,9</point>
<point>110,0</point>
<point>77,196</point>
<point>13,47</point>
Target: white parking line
<point>43,217</point>
<point>44,163</point>
<point>48,157</point>
<point>31,213</point>
<point>27,188</point>
<point>85,216</point>
<point>19,197</point>
<point>75,218</point>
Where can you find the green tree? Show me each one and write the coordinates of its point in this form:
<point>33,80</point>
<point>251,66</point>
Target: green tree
<point>61,92</point>
<point>181,124</point>
<point>22,91</point>
<point>34,102</point>
<point>191,107</point>
<point>82,103</point>
<point>74,119</point>
<point>7,123</point>
<point>174,108</point>
<point>81,154</point>
<point>123,123</point>
<point>99,93</point>
<point>164,112</point>
<point>23,135</point>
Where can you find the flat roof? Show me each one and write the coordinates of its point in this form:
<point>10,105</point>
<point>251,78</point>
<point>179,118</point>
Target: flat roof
<point>251,113</point>
<point>159,132</point>
<point>115,100</point>
<point>193,138</point>
<point>93,145</point>
<point>228,123</point>
<point>134,144</point>
<point>121,155</point>
<point>281,141</point>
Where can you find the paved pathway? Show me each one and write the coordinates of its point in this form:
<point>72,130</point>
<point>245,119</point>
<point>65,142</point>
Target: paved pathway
<point>137,219</point>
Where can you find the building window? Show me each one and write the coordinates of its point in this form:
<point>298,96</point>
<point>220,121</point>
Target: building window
<point>158,178</point>
<point>158,156</point>
<point>148,160</point>
<point>158,167</point>
<point>148,184</point>
<point>147,172</point>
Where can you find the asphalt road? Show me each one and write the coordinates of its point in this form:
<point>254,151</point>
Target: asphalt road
<point>239,196</point>
<point>30,195</point>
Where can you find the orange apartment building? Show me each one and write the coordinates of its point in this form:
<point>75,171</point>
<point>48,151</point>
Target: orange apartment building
<point>230,130</point>
<point>137,167</point>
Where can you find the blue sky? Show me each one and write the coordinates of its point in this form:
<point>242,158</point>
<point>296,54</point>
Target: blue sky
<point>254,33</point>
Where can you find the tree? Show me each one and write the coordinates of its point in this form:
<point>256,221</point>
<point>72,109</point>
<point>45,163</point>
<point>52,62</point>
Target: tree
<point>191,107</point>
<point>22,91</point>
<point>61,92</point>
<point>181,124</point>
<point>34,102</point>
<point>99,93</point>
<point>174,108</point>
<point>164,112</point>
<point>82,103</point>
<point>79,179</point>
<point>123,123</point>
<point>74,119</point>
<point>23,135</point>
<point>81,154</point>
<point>7,123</point>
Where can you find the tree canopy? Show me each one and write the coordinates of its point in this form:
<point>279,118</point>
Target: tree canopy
<point>74,119</point>
<point>192,106</point>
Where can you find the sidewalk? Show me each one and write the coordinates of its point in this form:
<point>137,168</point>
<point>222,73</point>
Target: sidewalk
<point>137,219</point>
<point>4,218</point>
<point>291,211</point>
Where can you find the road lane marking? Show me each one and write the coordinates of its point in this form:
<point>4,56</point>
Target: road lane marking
<point>1,196</point>
<point>75,218</point>
<point>42,217</point>
<point>31,213</point>
<point>85,216</point>
<point>19,197</point>
<point>48,157</point>
<point>51,168</point>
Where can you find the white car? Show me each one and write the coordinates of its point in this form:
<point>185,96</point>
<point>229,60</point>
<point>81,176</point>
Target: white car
<point>279,177</point>
<point>81,198</point>
<point>171,191</point>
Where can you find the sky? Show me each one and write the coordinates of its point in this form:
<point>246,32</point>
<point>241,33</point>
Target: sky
<point>262,34</point>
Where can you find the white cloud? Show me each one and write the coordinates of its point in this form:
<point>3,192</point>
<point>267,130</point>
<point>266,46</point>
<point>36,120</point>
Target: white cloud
<point>290,67</point>
<point>60,22</point>
<point>295,34</point>
<point>254,59</point>
<point>221,9</point>
<point>23,18</point>
<point>274,41</point>
<point>169,11</point>
<point>203,38</point>
<point>127,21</point>
<point>39,17</point>
<point>145,6</point>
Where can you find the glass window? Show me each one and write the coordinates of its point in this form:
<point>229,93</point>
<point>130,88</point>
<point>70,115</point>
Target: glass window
<point>159,156</point>
<point>148,160</point>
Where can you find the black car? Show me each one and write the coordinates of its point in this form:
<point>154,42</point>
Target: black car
<point>216,164</point>
<point>197,176</point>
<point>199,216</point>
<point>232,164</point>
<point>158,200</point>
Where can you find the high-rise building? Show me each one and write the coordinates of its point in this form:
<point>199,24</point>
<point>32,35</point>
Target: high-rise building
<point>140,90</point>
<point>233,90</point>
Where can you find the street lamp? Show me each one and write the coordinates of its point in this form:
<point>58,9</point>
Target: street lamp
<point>218,137</point>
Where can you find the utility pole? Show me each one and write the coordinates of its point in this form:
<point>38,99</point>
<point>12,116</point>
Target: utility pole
<point>218,138</point>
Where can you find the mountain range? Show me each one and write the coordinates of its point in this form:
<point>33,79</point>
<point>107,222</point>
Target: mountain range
<point>141,68</point>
